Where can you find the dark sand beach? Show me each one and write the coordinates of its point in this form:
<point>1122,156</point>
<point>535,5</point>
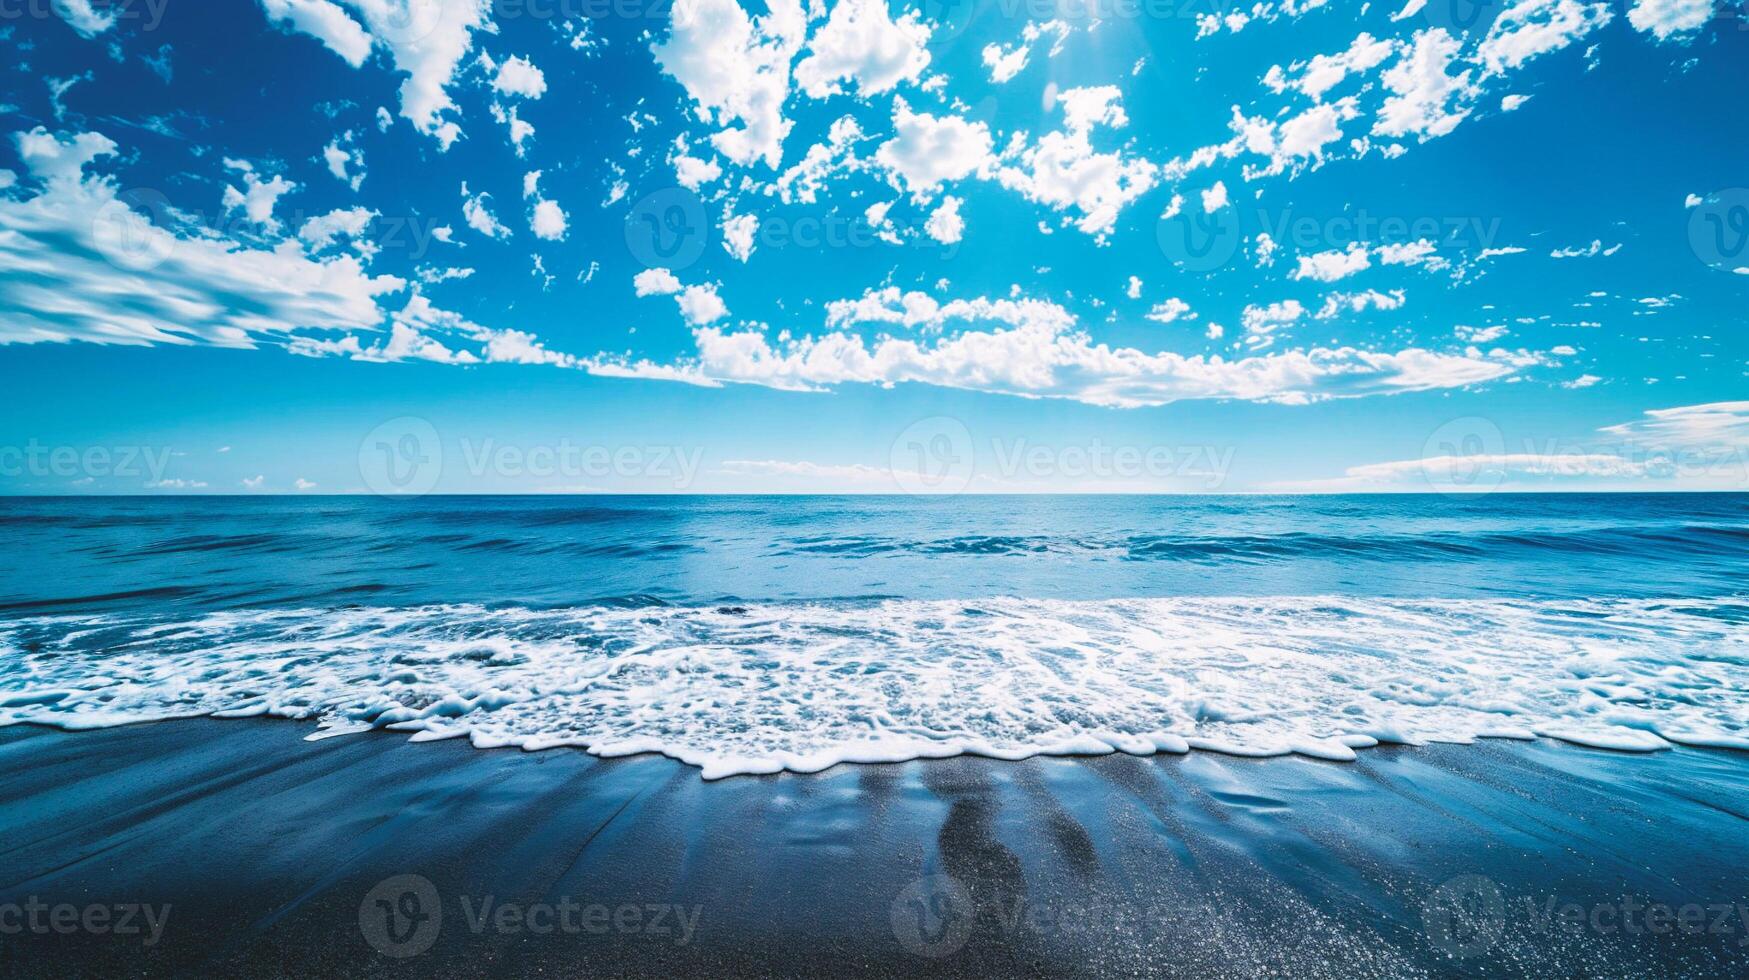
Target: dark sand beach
<point>271,854</point>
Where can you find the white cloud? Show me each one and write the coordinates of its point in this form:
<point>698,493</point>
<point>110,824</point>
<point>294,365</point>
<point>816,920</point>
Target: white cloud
<point>1698,446</point>
<point>548,221</point>
<point>655,282</point>
<point>927,150</point>
<point>301,484</point>
<point>478,212</point>
<point>1134,289</point>
<point>518,76</point>
<point>1337,303</point>
<point>253,482</point>
<point>1170,310</point>
<point>738,232</point>
<point>339,158</point>
<point>945,225</point>
<point>326,22</point>
<point>78,262</point>
<point>1215,198</point>
<point>1063,171</point>
<point>1419,252</point>
<point>1261,322</point>
<point>83,18</point>
<point>1717,425</point>
<point>1005,63</point>
<point>1034,350</point>
<point>860,42</point>
<point>692,172</point>
<point>414,334</point>
<point>319,232</point>
<point>1592,251</point>
<point>1426,100</point>
<point>427,40</point>
<point>1664,18</point>
<point>1530,28</point>
<point>1693,201</point>
<point>1333,265</point>
<point>60,157</point>
<point>1511,103</point>
<point>701,304</point>
<point>259,197</point>
<point>737,70</point>
<point>1324,72</point>
<point>1483,335</point>
<point>1264,248</point>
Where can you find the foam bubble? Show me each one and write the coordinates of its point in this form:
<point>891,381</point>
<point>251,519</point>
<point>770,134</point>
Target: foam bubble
<point>804,686</point>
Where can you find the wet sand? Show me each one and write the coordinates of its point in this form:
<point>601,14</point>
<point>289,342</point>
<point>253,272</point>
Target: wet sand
<point>272,853</point>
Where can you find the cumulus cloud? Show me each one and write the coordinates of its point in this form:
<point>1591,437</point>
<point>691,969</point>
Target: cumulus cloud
<point>1169,310</point>
<point>738,232</point>
<point>1426,99</point>
<point>518,76</point>
<point>258,198</point>
<point>861,43</point>
<point>700,304</point>
<point>1006,62</point>
<point>736,69</point>
<point>945,224</point>
<point>1215,198</point>
<point>1063,171</point>
<point>1531,28</point>
<point>326,22</point>
<point>477,210</point>
<point>548,221</point>
<point>321,231</point>
<point>927,150</point>
<point>655,282</point>
<point>1664,19</point>
<point>83,17</point>
<point>426,39</point>
<point>1335,264</point>
<point>340,156</point>
<point>1034,349</point>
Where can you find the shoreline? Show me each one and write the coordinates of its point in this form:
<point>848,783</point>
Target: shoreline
<point>279,856</point>
<point>1337,748</point>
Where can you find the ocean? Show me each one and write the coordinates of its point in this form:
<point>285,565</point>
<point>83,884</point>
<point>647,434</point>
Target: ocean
<point>759,634</point>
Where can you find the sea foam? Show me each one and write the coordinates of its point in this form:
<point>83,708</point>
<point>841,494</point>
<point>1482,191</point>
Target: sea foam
<point>806,685</point>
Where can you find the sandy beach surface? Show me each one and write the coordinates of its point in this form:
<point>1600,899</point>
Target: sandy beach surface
<point>238,847</point>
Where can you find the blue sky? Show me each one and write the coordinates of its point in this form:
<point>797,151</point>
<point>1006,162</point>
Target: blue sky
<point>997,245</point>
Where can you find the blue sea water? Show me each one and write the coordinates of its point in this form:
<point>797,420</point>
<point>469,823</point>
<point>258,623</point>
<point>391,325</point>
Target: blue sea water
<point>759,633</point>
